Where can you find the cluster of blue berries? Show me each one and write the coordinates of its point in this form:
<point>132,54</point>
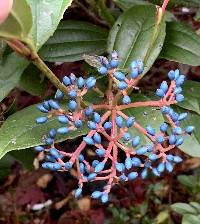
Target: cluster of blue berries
<point>106,121</point>
<point>120,78</point>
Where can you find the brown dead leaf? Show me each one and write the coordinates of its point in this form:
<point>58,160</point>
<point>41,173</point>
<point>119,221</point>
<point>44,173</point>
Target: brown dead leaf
<point>84,204</point>
<point>43,181</point>
<point>191,164</point>
<point>62,203</point>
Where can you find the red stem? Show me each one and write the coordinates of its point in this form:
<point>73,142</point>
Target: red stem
<point>165,3</point>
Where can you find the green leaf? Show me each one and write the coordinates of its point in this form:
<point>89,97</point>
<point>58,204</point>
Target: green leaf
<point>19,21</point>
<point>72,40</point>
<point>190,219</point>
<point>144,116</point>
<point>191,144</point>
<point>127,4</point>
<point>192,96</point>
<point>10,71</point>
<point>188,181</point>
<point>135,35</point>
<point>46,17</point>
<point>20,131</point>
<point>182,44</point>
<point>33,81</point>
<point>183,208</point>
<point>196,205</point>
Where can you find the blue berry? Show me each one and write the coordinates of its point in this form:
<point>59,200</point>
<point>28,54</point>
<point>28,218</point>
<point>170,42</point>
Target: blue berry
<point>90,82</point>
<point>155,172</point>
<point>92,125</point>
<point>149,148</point>
<point>182,116</point>
<point>100,152</point>
<point>122,85</point>
<point>163,127</point>
<point>150,130</point>
<point>119,76</point>
<point>104,198</point>
<point>63,119</point>
<point>41,120</point>
<point>94,163</point>
<point>72,94</point>
<point>179,98</point>
<point>68,165</point>
<point>153,157</point>
<point>96,194</point>
<point>54,105</point>
<point>132,175</point>
<point>140,66</point>
<point>72,78</point>
<point>180,80</point>
<point>97,118</point>
<point>108,125</point>
<point>49,141</point>
<point>63,130</point>
<point>130,121</point>
<point>126,100</point>
<point>165,110</point>
<point>177,130</point>
<point>141,151</point>
<point>177,90</point>
<point>161,167</point>
<point>91,176</point>
<point>54,152</point>
<point>136,161</point>
<point>97,138</point>
<point>189,129</point>
<point>42,108</point>
<point>160,92</point>
<point>78,192</point>
<point>128,163</point>
<point>80,82</point>
<point>123,177</point>
<point>72,105</point>
<point>66,81</point>
<point>114,63</point>
<point>103,70</point>
<point>144,173</point>
<point>172,139</point>
<point>170,157</point>
<point>164,86</point>
<point>179,141</point>
<point>39,148</point>
<point>59,95</point>
<point>134,73</point>
<point>52,133</point>
<point>88,140</point>
<point>81,157</point>
<point>78,123</point>
<point>127,136</point>
<point>99,167</point>
<point>88,111</point>
<point>119,167</point>
<point>119,121</point>
<point>177,159</point>
<point>133,64</point>
<point>160,139</point>
<point>135,141</point>
<point>171,75</point>
<point>82,167</point>
<point>169,167</point>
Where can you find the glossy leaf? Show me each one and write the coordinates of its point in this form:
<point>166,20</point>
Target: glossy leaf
<point>33,81</point>
<point>135,35</point>
<point>20,131</point>
<point>72,40</point>
<point>192,96</point>
<point>127,4</point>
<point>182,44</point>
<point>183,208</point>
<point>46,17</point>
<point>190,219</point>
<point>19,21</point>
<point>10,72</point>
